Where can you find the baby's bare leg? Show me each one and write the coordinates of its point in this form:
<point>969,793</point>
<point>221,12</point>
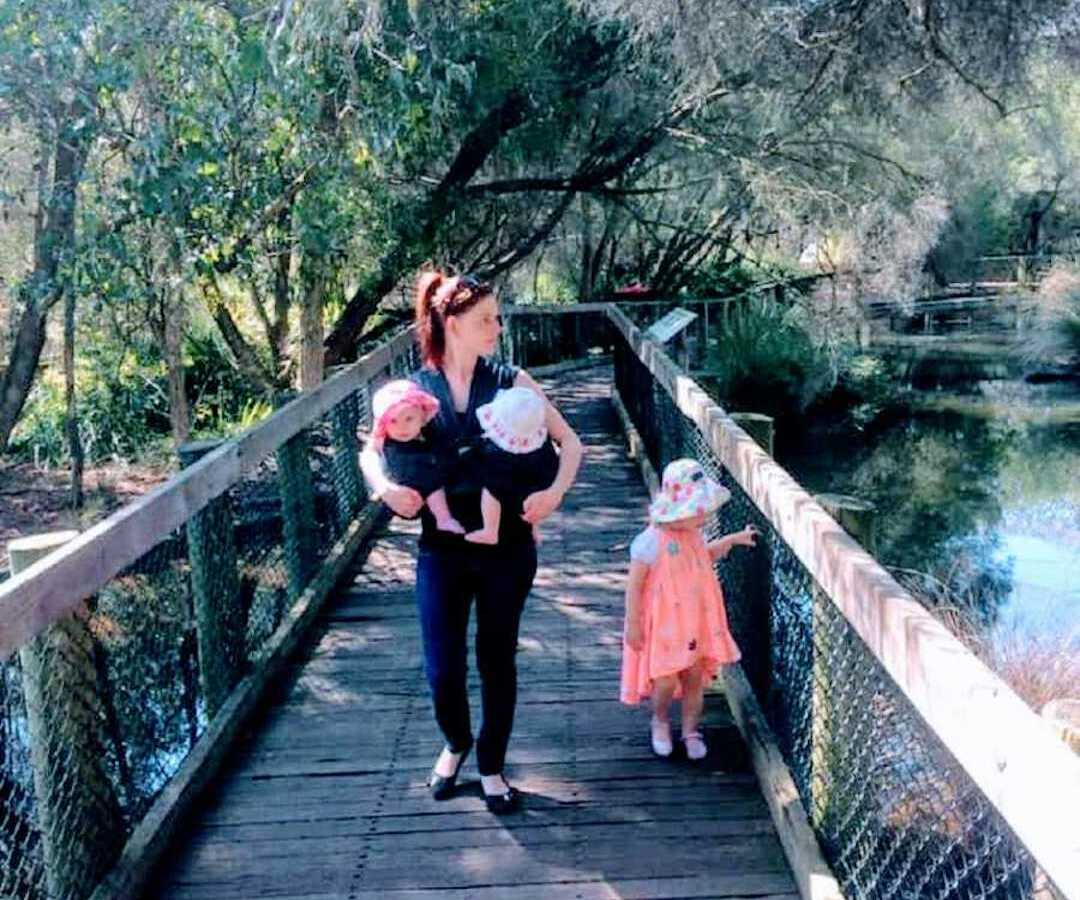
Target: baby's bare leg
<point>491,510</point>
<point>440,509</point>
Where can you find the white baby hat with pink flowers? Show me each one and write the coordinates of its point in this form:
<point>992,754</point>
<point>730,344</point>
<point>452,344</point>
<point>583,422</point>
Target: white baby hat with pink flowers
<point>516,420</point>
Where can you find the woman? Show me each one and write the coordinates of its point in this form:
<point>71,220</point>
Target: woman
<point>458,327</point>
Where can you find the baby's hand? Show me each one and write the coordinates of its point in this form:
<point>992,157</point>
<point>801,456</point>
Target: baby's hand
<point>635,638</point>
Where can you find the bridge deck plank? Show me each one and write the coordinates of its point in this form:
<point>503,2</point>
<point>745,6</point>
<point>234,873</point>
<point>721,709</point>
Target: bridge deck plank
<point>324,800</point>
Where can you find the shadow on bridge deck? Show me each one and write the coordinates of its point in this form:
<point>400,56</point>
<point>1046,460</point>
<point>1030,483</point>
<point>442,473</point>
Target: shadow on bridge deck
<point>325,800</point>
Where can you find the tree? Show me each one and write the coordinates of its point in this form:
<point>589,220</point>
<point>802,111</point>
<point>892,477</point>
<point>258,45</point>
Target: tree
<point>62,65</point>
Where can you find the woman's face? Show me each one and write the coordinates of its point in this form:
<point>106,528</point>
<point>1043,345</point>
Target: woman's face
<point>477,329</point>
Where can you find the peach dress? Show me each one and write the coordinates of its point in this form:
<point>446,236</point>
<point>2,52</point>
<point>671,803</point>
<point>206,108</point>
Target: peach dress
<point>683,616</point>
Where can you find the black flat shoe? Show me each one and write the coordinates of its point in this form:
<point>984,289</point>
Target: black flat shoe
<point>442,786</point>
<point>502,803</point>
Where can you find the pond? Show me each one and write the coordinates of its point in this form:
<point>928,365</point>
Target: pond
<point>981,491</point>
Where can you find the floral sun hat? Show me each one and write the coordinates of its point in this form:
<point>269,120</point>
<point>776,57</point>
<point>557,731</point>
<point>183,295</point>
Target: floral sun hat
<point>395,395</point>
<point>686,491</point>
<point>516,420</point>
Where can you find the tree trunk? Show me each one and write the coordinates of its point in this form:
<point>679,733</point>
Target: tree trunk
<point>311,332</point>
<point>179,414</point>
<point>244,355</point>
<point>585,279</point>
<point>278,334</point>
<point>42,287</point>
<point>22,366</point>
<point>71,417</point>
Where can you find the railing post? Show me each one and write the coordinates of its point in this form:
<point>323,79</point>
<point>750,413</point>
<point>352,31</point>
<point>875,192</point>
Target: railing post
<point>857,518</point>
<point>701,337</point>
<point>79,817</point>
<point>220,622</point>
<point>298,522</point>
<point>759,426</point>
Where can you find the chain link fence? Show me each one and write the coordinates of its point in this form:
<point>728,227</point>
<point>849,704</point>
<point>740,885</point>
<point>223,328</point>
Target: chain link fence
<point>896,815</point>
<point>100,710</point>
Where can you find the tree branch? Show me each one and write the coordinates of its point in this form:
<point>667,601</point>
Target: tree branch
<point>269,215</point>
<point>523,249</point>
<point>247,360</point>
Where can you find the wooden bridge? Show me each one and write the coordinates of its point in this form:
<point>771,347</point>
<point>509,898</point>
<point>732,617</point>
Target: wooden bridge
<point>327,797</point>
<point>217,692</point>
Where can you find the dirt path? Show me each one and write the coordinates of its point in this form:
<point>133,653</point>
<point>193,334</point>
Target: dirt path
<point>33,500</point>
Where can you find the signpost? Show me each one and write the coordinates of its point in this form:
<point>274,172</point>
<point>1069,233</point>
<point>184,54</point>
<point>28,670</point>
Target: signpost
<point>669,325</point>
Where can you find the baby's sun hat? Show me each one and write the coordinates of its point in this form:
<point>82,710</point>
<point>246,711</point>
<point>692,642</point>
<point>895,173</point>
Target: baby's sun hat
<point>686,491</point>
<point>394,396</point>
<point>515,420</point>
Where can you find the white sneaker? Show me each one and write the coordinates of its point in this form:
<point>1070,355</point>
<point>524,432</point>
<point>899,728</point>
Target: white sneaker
<point>695,745</point>
<point>661,737</point>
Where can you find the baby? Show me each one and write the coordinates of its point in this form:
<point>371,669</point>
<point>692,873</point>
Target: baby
<point>517,458</point>
<point>401,409</point>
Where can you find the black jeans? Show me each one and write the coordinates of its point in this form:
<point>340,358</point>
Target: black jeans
<point>499,579</point>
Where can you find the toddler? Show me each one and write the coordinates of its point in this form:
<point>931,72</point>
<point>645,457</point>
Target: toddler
<point>676,632</point>
<point>517,458</point>
<point>401,409</point>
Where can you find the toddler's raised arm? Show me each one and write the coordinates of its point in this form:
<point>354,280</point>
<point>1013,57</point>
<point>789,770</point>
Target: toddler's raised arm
<point>721,547</point>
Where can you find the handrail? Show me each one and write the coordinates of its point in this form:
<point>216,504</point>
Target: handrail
<point>1009,752</point>
<point>54,586</point>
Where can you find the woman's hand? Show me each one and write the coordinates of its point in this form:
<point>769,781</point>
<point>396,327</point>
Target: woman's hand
<point>540,505</point>
<point>402,500</point>
<point>635,637</point>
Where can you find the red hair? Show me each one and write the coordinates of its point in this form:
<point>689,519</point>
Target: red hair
<point>437,297</point>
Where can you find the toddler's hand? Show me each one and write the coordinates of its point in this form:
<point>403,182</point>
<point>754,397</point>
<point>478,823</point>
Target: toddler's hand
<point>747,537</point>
<point>635,638</point>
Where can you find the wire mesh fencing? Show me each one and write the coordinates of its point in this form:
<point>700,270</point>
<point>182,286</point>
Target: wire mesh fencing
<point>897,817</point>
<point>101,709</point>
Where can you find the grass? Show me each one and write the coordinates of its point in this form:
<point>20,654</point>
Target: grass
<point>1039,668</point>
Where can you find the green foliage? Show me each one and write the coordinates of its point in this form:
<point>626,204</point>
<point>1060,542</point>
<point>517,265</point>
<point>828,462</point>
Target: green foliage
<point>722,278</point>
<point>1056,335</point>
<point>123,410</point>
<point>245,154</point>
<point>222,401</point>
<point>123,407</point>
<point>765,360</point>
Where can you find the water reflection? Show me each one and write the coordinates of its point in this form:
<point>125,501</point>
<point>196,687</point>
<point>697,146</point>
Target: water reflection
<point>989,506</point>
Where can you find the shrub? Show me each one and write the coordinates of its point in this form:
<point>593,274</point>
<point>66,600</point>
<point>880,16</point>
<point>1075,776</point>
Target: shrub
<point>765,359</point>
<point>221,401</point>
<point>1057,331</point>
<point>122,404</point>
